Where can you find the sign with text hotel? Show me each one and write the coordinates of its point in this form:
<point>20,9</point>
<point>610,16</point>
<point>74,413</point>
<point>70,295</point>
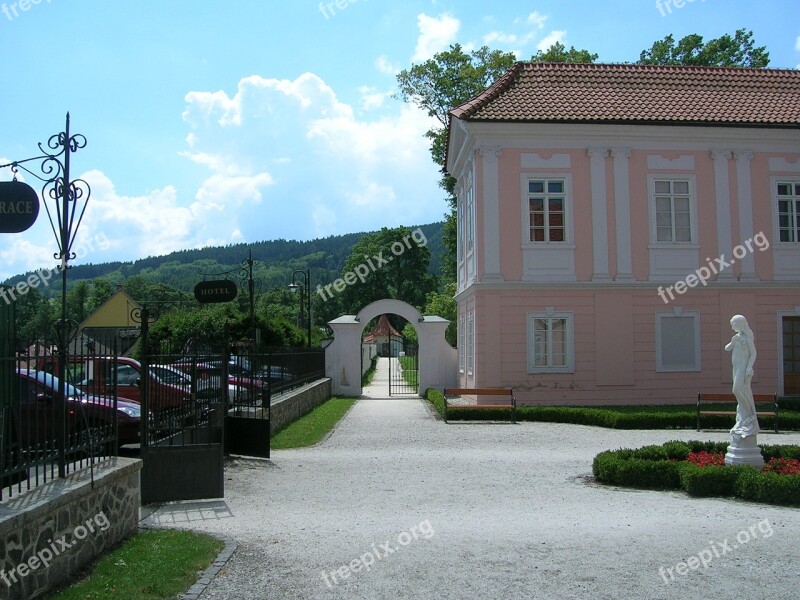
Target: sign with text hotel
<point>19,206</point>
<point>210,292</point>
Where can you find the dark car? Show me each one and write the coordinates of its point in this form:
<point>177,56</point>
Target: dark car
<point>88,417</point>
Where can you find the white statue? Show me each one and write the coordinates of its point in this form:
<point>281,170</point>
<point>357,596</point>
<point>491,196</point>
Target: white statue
<point>744,356</point>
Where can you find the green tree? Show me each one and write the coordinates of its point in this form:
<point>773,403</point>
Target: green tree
<point>102,290</point>
<point>558,53</point>
<point>437,85</point>
<point>724,51</point>
<point>392,264</point>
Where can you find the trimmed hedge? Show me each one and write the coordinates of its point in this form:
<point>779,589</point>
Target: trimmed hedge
<point>627,417</point>
<point>665,468</point>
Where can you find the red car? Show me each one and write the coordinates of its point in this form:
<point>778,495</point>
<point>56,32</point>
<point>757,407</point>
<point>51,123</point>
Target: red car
<point>88,417</point>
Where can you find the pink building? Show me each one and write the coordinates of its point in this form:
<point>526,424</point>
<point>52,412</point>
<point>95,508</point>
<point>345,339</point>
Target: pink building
<point>613,218</point>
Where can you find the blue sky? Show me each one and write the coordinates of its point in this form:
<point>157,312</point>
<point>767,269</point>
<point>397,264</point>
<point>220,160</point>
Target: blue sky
<point>212,123</point>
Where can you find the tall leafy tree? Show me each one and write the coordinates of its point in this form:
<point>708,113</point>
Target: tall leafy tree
<point>392,265</point>
<point>448,79</point>
<point>724,51</point>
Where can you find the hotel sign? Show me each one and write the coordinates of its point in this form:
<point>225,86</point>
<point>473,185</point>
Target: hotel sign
<point>210,292</point>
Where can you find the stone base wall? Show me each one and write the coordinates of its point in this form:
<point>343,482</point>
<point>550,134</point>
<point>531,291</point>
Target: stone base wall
<point>50,533</point>
<point>297,403</point>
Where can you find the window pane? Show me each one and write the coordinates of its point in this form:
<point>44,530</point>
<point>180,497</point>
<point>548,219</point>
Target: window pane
<point>556,235</point>
<point>663,219</point>
<point>680,187</point>
<point>797,189</point>
<point>555,205</point>
<point>784,189</point>
<point>663,204</point>
<point>537,219</point>
<point>536,187</point>
<point>683,234</point>
<point>678,343</point>
<point>662,187</point>
<point>555,187</point>
<point>536,204</point>
<point>682,219</point>
<point>538,235</point>
<point>664,234</point>
<point>682,204</point>
<point>556,220</point>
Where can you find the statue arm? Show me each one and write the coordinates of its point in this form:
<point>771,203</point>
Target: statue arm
<point>751,347</point>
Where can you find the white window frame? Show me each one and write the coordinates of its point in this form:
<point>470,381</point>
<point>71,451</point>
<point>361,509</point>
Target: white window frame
<point>462,345</point>
<point>794,182</point>
<point>566,178</point>
<point>470,343</point>
<point>651,203</point>
<point>660,317</point>
<point>569,319</point>
<point>470,217</point>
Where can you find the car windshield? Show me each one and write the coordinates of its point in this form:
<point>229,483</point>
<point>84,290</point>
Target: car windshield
<point>166,375</point>
<point>51,381</point>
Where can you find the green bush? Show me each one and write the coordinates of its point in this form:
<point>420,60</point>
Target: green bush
<point>664,467</point>
<point>436,398</point>
<point>710,480</point>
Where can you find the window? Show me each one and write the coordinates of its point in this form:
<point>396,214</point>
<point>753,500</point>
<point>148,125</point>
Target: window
<point>550,343</point>
<point>673,208</point>
<point>470,344</point>
<point>461,240</point>
<point>547,210</point>
<point>462,346</point>
<point>788,211</point>
<point>678,341</point>
<point>470,220</point>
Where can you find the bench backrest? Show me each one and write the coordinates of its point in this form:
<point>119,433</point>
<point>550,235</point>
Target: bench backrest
<point>731,398</point>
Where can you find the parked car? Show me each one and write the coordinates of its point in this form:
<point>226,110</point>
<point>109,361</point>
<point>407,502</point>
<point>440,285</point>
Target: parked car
<point>211,369</point>
<point>207,387</point>
<point>98,374</point>
<point>87,416</point>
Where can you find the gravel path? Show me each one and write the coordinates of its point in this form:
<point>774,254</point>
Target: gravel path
<point>480,510</point>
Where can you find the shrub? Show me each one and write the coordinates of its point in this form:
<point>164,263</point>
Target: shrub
<point>436,398</point>
<point>647,468</point>
<point>710,480</point>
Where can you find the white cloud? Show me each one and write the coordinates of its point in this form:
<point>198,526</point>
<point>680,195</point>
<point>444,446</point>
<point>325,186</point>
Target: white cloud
<point>436,35</point>
<point>372,98</point>
<point>797,43</point>
<point>384,66</point>
<point>550,39</point>
<point>536,19</point>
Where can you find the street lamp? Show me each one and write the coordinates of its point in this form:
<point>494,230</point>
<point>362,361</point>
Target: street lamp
<point>305,288</point>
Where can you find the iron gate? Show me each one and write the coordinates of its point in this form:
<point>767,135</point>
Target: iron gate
<point>403,366</point>
<point>181,449</point>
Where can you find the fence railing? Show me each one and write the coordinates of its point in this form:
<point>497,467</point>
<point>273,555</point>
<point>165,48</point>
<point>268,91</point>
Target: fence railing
<point>48,429</point>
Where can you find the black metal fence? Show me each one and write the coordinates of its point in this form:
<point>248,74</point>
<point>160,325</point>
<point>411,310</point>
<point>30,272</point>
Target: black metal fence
<point>47,429</point>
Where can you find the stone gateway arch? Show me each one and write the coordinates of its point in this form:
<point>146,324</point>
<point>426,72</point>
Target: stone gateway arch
<point>438,360</point>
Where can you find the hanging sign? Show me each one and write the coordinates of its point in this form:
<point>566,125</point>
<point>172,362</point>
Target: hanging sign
<point>210,292</point>
<point>19,206</point>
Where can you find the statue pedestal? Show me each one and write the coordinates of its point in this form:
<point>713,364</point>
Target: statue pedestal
<point>744,451</point>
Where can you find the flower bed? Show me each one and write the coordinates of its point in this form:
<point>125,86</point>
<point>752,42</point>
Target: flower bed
<point>699,469</point>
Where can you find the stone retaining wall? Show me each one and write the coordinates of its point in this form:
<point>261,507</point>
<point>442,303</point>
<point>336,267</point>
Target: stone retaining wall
<point>48,534</point>
<point>297,403</point>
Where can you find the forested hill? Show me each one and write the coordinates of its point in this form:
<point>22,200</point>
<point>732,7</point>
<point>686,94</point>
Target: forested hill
<point>274,262</point>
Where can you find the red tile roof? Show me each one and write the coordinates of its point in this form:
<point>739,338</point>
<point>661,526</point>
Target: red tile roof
<point>383,328</point>
<point>598,93</point>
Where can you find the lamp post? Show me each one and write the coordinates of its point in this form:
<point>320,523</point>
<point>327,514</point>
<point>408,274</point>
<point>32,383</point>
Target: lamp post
<point>305,289</point>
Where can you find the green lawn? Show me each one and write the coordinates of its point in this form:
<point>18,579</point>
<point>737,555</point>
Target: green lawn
<point>152,565</point>
<point>313,427</point>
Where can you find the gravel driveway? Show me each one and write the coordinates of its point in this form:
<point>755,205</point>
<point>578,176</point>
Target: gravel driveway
<point>468,511</point>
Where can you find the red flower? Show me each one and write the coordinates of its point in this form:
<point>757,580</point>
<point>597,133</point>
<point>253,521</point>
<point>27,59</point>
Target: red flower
<point>706,459</point>
<point>783,466</point>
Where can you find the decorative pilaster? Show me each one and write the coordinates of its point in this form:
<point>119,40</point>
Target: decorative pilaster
<point>597,170</point>
<point>491,214</point>
<point>747,264</point>
<point>622,210</point>
<point>723,206</point>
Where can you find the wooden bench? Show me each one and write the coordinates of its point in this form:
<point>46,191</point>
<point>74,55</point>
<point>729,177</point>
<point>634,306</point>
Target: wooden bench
<point>763,399</point>
<point>499,392</point>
